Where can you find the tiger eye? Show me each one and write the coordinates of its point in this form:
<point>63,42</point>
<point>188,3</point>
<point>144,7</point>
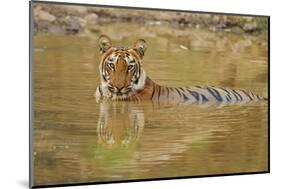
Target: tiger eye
<point>111,65</point>
<point>130,67</point>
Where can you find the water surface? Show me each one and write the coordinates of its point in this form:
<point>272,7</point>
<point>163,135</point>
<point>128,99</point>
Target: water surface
<point>77,139</point>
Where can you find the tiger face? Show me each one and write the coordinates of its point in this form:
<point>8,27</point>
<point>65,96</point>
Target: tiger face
<point>120,68</point>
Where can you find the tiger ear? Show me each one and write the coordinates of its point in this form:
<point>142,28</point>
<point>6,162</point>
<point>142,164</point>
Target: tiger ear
<point>140,47</point>
<point>104,43</point>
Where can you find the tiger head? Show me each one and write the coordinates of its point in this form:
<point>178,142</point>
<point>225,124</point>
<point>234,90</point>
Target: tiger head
<point>121,72</point>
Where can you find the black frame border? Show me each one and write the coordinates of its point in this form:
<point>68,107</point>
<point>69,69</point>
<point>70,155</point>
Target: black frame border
<point>31,159</point>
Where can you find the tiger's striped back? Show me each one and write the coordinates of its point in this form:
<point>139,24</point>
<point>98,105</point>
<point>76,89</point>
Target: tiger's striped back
<point>204,95</point>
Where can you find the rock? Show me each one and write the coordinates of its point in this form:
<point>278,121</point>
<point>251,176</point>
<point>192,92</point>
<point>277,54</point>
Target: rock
<point>216,19</point>
<point>76,10</point>
<point>42,25</point>
<point>227,30</point>
<point>237,30</point>
<point>249,19</point>
<point>250,27</point>
<point>91,19</point>
<point>212,28</point>
<point>183,47</point>
<point>73,24</point>
<point>221,25</point>
<point>44,16</point>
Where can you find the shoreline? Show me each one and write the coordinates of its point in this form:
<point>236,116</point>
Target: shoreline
<point>69,19</point>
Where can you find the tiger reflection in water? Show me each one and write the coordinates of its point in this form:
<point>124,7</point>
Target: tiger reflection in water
<point>119,123</point>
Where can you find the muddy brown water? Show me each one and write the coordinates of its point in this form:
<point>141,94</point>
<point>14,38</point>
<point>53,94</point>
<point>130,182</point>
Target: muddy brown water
<point>79,140</point>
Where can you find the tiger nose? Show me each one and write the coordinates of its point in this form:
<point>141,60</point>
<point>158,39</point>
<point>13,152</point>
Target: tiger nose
<point>119,89</point>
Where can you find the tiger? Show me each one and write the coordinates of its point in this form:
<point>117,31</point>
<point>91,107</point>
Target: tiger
<point>123,78</point>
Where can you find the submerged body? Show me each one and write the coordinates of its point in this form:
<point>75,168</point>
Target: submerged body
<point>123,78</point>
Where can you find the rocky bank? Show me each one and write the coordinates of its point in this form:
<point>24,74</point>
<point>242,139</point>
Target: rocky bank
<point>69,19</point>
